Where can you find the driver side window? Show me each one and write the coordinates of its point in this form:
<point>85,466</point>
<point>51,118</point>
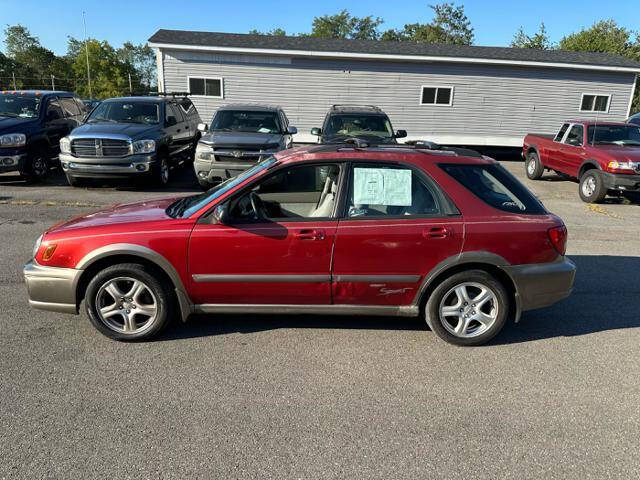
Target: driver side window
<point>54,111</point>
<point>575,135</point>
<point>291,194</point>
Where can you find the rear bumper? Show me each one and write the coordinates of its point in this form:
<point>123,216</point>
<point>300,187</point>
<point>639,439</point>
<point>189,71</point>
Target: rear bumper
<point>543,284</point>
<point>616,181</point>
<point>132,165</point>
<point>52,288</point>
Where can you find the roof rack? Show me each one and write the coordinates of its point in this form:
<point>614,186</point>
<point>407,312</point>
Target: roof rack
<point>169,94</point>
<point>423,146</point>
<point>346,105</point>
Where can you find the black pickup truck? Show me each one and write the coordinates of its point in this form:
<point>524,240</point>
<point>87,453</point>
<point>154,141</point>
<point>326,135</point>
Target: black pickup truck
<point>31,126</point>
<point>132,137</point>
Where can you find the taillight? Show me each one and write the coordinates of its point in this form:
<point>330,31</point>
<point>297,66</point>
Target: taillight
<point>558,238</point>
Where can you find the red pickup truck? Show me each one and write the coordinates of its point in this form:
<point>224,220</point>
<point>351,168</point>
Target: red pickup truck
<point>604,156</point>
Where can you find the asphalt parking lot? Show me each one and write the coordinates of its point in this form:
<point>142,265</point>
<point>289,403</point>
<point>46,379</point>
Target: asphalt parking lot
<point>556,396</point>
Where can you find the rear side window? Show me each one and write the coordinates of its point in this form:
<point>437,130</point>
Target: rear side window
<point>497,187</point>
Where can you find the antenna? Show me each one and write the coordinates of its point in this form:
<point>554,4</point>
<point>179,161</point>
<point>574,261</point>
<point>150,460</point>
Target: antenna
<point>86,48</point>
<point>595,130</point>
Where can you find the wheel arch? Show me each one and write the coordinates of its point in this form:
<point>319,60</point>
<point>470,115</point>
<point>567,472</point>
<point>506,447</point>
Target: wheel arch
<point>486,261</point>
<point>132,253</point>
<point>588,165</point>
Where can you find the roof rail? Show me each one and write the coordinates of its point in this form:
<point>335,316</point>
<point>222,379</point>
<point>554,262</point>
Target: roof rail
<point>169,94</point>
<point>351,105</point>
<point>423,146</point>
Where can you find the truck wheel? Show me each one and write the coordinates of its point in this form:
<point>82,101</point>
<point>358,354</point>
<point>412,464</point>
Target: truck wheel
<point>468,308</point>
<point>128,302</point>
<point>161,172</point>
<point>37,166</point>
<point>592,189</point>
<point>533,166</point>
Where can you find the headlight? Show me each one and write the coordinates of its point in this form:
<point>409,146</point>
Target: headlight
<point>144,146</point>
<point>204,152</point>
<point>629,166</point>
<point>65,145</point>
<point>13,140</point>
<point>37,246</point>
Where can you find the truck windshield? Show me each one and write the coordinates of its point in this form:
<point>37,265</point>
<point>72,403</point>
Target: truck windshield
<point>245,121</point>
<point>24,106</point>
<point>187,206</point>
<point>358,126</point>
<point>126,112</point>
<point>614,134</point>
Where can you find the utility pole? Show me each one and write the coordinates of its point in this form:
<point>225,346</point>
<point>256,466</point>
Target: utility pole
<point>130,87</point>
<point>53,82</point>
<point>86,47</point>
<point>15,87</point>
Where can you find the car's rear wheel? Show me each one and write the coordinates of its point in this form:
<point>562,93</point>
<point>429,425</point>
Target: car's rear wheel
<point>592,189</point>
<point>127,302</point>
<point>468,308</point>
<point>533,166</point>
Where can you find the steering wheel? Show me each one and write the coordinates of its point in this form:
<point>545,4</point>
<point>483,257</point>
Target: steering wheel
<point>258,206</point>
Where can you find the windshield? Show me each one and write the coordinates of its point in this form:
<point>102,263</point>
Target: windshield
<point>19,106</point>
<point>614,134</point>
<point>242,121</point>
<point>126,112</point>
<point>187,206</point>
<point>359,125</point>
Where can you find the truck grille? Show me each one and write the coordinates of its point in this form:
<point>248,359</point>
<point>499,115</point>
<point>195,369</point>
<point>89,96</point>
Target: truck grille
<point>100,147</point>
<point>243,158</point>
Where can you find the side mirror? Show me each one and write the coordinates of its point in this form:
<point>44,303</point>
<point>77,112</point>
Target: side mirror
<point>203,127</point>
<point>292,130</point>
<point>573,141</point>
<point>53,115</point>
<point>316,131</point>
<point>221,214</point>
<point>401,133</point>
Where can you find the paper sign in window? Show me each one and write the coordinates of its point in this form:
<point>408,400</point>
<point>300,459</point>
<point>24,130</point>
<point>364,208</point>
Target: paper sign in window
<point>382,186</point>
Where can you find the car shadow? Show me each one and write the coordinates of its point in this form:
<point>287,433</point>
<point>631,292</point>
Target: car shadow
<point>605,295</point>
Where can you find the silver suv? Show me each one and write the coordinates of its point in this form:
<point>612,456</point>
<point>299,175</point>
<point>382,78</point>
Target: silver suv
<point>238,138</point>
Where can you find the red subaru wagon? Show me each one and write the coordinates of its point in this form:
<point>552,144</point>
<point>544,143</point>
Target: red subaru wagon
<point>352,230</point>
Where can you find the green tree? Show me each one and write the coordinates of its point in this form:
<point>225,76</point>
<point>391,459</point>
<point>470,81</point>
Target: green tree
<point>449,25</point>
<point>108,72</point>
<point>539,40</point>
<point>344,25</point>
<point>608,37</point>
<point>140,62</point>
<point>277,32</point>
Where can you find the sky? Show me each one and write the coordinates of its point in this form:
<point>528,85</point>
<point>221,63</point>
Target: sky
<point>118,21</point>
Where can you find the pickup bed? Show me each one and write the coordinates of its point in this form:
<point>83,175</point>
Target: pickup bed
<point>604,157</point>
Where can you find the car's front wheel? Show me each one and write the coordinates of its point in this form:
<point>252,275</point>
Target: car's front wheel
<point>161,172</point>
<point>592,189</point>
<point>127,302</point>
<point>468,308</point>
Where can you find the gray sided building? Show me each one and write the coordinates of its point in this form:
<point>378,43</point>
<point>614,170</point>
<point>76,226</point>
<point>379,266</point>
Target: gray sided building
<point>450,94</point>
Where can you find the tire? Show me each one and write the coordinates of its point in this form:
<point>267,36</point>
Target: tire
<point>533,167</point>
<point>37,166</point>
<point>204,184</point>
<point>140,316</point>
<point>161,172</point>
<point>592,189</point>
<point>475,325</point>
<point>75,181</point>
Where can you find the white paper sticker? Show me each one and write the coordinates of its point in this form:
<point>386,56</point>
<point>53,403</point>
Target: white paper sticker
<point>382,186</point>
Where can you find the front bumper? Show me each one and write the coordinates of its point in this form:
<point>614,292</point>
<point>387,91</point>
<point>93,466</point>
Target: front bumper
<point>132,165</point>
<point>52,288</point>
<point>11,160</point>
<point>542,284</point>
<point>214,171</point>
<point>617,181</point>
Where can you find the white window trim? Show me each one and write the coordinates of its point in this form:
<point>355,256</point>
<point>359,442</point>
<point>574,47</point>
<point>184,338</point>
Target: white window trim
<point>608,95</point>
<point>220,79</point>
<point>422,87</point>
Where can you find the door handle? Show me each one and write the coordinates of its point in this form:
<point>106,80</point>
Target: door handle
<point>310,234</point>
<point>436,232</point>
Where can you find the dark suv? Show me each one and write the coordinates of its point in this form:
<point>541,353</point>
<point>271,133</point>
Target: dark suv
<point>238,138</point>
<point>31,126</point>
<point>366,122</point>
<point>132,137</point>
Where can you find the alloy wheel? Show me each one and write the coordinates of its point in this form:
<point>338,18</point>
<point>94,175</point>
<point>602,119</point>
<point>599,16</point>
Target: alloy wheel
<point>126,305</point>
<point>589,186</point>
<point>468,310</point>
<point>531,166</point>
<point>39,166</point>
<point>164,171</point>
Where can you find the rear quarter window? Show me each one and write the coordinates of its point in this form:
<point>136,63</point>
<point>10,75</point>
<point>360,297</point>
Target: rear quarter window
<point>496,187</point>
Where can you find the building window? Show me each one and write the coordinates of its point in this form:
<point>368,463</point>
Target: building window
<point>436,95</point>
<point>206,87</point>
<point>593,102</point>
